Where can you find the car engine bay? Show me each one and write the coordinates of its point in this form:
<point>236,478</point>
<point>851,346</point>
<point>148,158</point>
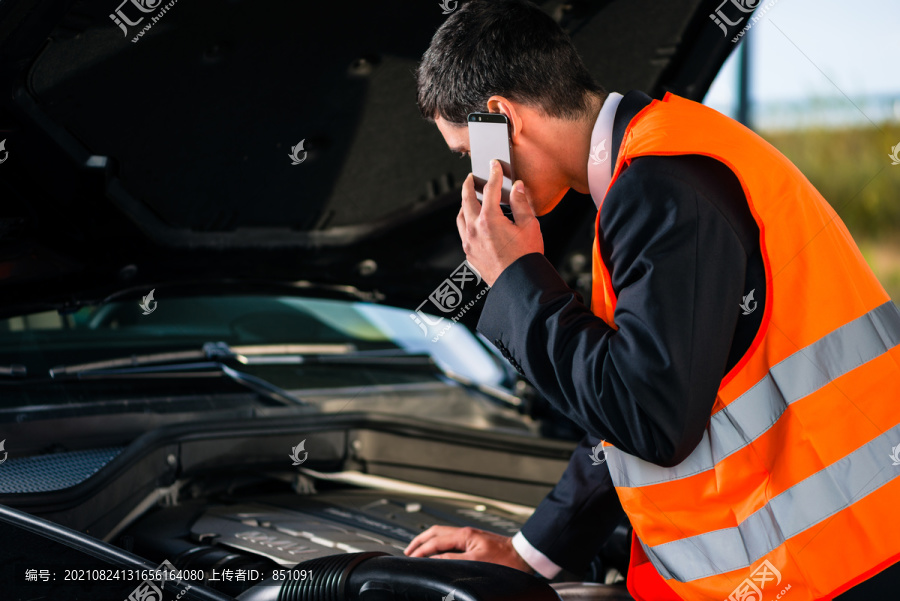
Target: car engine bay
<point>223,498</point>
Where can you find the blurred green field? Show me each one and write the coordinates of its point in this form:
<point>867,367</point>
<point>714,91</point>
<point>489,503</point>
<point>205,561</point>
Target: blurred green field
<point>852,170</point>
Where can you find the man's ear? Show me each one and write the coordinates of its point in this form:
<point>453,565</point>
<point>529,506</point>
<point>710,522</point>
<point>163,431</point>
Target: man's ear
<point>500,104</point>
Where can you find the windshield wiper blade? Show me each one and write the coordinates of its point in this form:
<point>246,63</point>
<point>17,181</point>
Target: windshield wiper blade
<point>212,354</point>
<point>14,370</point>
<point>169,364</point>
<point>262,387</point>
<point>210,350</point>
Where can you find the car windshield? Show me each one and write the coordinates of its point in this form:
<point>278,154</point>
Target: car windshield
<point>274,338</point>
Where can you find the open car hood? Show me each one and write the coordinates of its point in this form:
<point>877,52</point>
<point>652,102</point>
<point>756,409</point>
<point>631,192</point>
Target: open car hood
<point>266,142</point>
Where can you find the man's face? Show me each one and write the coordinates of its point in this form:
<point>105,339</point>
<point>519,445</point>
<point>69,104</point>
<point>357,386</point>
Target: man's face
<point>545,185</point>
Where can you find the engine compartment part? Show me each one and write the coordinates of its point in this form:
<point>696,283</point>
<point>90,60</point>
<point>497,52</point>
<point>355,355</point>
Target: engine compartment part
<point>329,524</point>
<point>287,528</point>
<point>375,577</point>
<point>590,591</point>
<point>219,496</point>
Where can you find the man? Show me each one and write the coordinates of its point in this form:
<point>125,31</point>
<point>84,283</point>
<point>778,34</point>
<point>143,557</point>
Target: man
<point>739,360</point>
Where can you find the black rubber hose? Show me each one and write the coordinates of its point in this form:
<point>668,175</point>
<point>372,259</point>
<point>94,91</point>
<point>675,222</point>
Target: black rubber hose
<point>376,576</point>
<point>330,578</point>
<point>413,579</point>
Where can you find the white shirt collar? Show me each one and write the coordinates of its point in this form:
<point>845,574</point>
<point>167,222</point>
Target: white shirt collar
<point>600,165</point>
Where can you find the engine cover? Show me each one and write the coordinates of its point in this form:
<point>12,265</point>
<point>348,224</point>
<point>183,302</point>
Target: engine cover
<point>289,529</point>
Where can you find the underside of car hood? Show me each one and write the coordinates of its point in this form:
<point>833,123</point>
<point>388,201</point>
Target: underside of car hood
<point>201,141</point>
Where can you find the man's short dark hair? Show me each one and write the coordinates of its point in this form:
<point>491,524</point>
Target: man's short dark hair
<point>507,47</point>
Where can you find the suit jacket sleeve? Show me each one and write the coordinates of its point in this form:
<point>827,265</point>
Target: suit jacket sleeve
<point>574,520</point>
<point>678,270</point>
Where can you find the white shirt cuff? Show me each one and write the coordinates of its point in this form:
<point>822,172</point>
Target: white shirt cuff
<point>537,560</point>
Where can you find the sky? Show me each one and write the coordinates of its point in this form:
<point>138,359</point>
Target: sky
<point>803,49</point>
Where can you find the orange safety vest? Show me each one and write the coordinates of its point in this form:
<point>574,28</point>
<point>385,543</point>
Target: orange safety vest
<point>793,491</point>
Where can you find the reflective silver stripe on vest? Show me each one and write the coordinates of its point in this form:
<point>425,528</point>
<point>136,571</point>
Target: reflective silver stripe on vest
<point>798,508</point>
<point>750,415</point>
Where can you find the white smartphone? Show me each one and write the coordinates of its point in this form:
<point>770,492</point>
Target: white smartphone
<point>489,139</point>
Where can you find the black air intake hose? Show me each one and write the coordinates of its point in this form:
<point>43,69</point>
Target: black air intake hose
<point>375,576</point>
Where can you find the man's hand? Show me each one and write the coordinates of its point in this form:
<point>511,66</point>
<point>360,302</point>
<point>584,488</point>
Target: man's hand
<point>491,242</point>
<point>467,543</point>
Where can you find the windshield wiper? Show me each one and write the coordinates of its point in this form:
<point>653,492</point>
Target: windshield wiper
<point>189,370</point>
<point>210,350</point>
<point>14,370</point>
<point>168,365</point>
<point>260,354</point>
<point>185,364</point>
